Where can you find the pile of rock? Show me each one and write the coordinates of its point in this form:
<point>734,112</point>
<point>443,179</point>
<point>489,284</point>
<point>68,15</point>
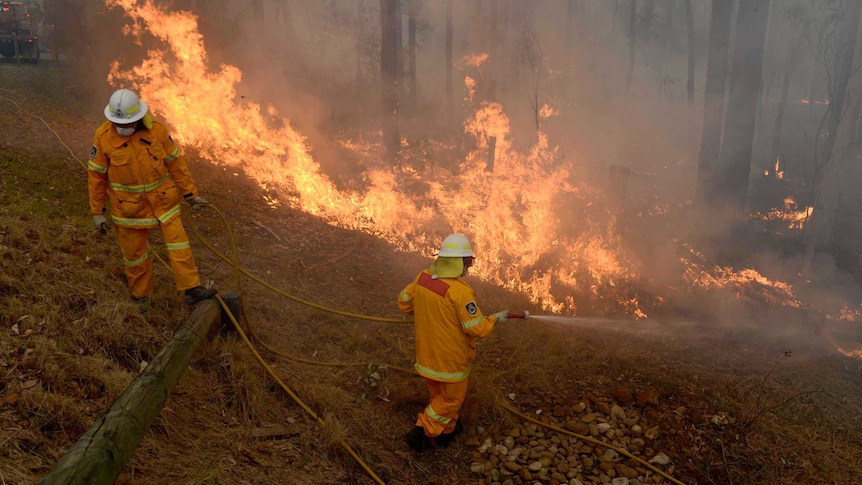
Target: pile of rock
<point>530,453</point>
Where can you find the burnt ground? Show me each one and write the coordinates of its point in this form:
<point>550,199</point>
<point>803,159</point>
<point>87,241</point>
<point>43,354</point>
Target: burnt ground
<point>733,406</point>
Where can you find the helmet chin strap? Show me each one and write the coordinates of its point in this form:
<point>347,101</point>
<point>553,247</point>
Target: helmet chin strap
<point>127,131</point>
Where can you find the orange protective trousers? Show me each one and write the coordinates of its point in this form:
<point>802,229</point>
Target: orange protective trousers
<point>139,267</point>
<point>441,414</point>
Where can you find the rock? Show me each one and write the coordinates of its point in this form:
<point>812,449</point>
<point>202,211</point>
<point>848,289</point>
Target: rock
<point>624,396</point>
<point>603,408</point>
<point>477,467</point>
<point>509,442</point>
<point>589,417</point>
<point>535,466</point>
<point>648,397</point>
<point>577,426</point>
<point>652,433</point>
<point>618,413</point>
<point>660,459</point>
<point>620,481</point>
<point>626,471</point>
<point>512,466</point>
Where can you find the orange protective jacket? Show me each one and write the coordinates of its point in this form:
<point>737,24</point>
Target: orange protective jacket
<point>143,175</point>
<point>447,323</point>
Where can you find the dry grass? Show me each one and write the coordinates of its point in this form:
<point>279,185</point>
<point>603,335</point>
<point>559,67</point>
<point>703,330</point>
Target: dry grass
<point>71,341</point>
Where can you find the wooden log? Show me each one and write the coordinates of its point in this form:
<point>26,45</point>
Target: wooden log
<point>101,453</point>
<point>492,154</point>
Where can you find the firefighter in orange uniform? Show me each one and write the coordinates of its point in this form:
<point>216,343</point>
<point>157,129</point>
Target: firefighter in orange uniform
<point>447,323</point>
<point>136,166</point>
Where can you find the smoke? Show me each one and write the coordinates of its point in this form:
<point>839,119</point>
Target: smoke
<point>615,164</point>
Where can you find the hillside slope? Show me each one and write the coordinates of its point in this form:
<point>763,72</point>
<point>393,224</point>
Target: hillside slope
<point>727,406</point>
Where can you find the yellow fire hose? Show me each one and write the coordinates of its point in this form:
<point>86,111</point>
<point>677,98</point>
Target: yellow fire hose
<point>503,404</point>
<point>235,264</point>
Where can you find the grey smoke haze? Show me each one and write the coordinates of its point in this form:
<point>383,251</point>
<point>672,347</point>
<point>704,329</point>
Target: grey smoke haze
<point>318,64</point>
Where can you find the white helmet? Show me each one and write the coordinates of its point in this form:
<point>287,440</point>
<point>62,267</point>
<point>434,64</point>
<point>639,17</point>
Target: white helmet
<point>125,107</point>
<point>456,246</point>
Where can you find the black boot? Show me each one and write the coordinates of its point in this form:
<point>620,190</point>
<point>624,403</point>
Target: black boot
<point>198,293</point>
<point>143,303</point>
<point>416,439</point>
<point>444,439</point>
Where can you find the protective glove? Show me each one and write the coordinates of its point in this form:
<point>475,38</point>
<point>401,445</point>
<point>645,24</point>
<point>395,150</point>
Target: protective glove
<point>198,203</point>
<point>502,316</point>
<point>101,223</point>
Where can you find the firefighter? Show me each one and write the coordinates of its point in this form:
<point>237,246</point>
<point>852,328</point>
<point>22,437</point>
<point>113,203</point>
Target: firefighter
<point>136,166</point>
<point>447,323</point>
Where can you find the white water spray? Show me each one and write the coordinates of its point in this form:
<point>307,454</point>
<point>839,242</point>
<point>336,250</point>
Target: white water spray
<point>647,327</point>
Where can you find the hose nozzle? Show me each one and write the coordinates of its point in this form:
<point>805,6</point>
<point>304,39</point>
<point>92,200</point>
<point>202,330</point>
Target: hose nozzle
<point>525,315</point>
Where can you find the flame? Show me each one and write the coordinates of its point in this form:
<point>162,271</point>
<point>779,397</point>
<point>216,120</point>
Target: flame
<point>540,230</point>
<point>472,60</point>
<point>547,111</point>
<point>747,283</point>
<point>470,83</point>
<point>790,214</point>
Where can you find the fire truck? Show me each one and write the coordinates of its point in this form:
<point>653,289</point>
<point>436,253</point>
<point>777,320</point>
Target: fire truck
<point>18,39</point>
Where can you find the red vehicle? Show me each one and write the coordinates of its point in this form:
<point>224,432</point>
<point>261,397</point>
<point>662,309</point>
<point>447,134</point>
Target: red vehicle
<point>18,39</point>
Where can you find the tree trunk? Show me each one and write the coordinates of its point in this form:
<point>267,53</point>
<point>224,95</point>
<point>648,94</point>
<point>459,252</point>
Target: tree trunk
<point>828,187</point>
<point>570,50</point>
<point>728,185</point>
<point>284,20</point>
<point>259,16</point>
<point>412,7</point>
<point>713,97</point>
<point>690,126</point>
<point>450,101</point>
<point>633,17</point>
<point>494,63</point>
<point>507,41</point>
<point>789,68</point>
<point>390,18</point>
<point>689,25</point>
<point>360,36</point>
<point>100,454</point>
<point>843,69</point>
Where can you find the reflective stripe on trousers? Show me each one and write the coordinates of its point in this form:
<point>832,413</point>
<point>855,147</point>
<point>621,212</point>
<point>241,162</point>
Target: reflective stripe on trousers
<point>441,414</point>
<point>139,268</point>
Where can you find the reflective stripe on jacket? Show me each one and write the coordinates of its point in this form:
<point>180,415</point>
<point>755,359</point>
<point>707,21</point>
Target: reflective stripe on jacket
<point>447,322</point>
<point>143,175</point>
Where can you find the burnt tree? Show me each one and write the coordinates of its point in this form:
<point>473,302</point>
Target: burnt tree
<point>449,33</point>
<point>843,148</point>
<point>713,98</point>
<point>390,53</point>
<point>728,183</point>
<point>633,22</point>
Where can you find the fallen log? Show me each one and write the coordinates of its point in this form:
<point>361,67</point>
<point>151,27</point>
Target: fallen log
<point>101,453</point>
